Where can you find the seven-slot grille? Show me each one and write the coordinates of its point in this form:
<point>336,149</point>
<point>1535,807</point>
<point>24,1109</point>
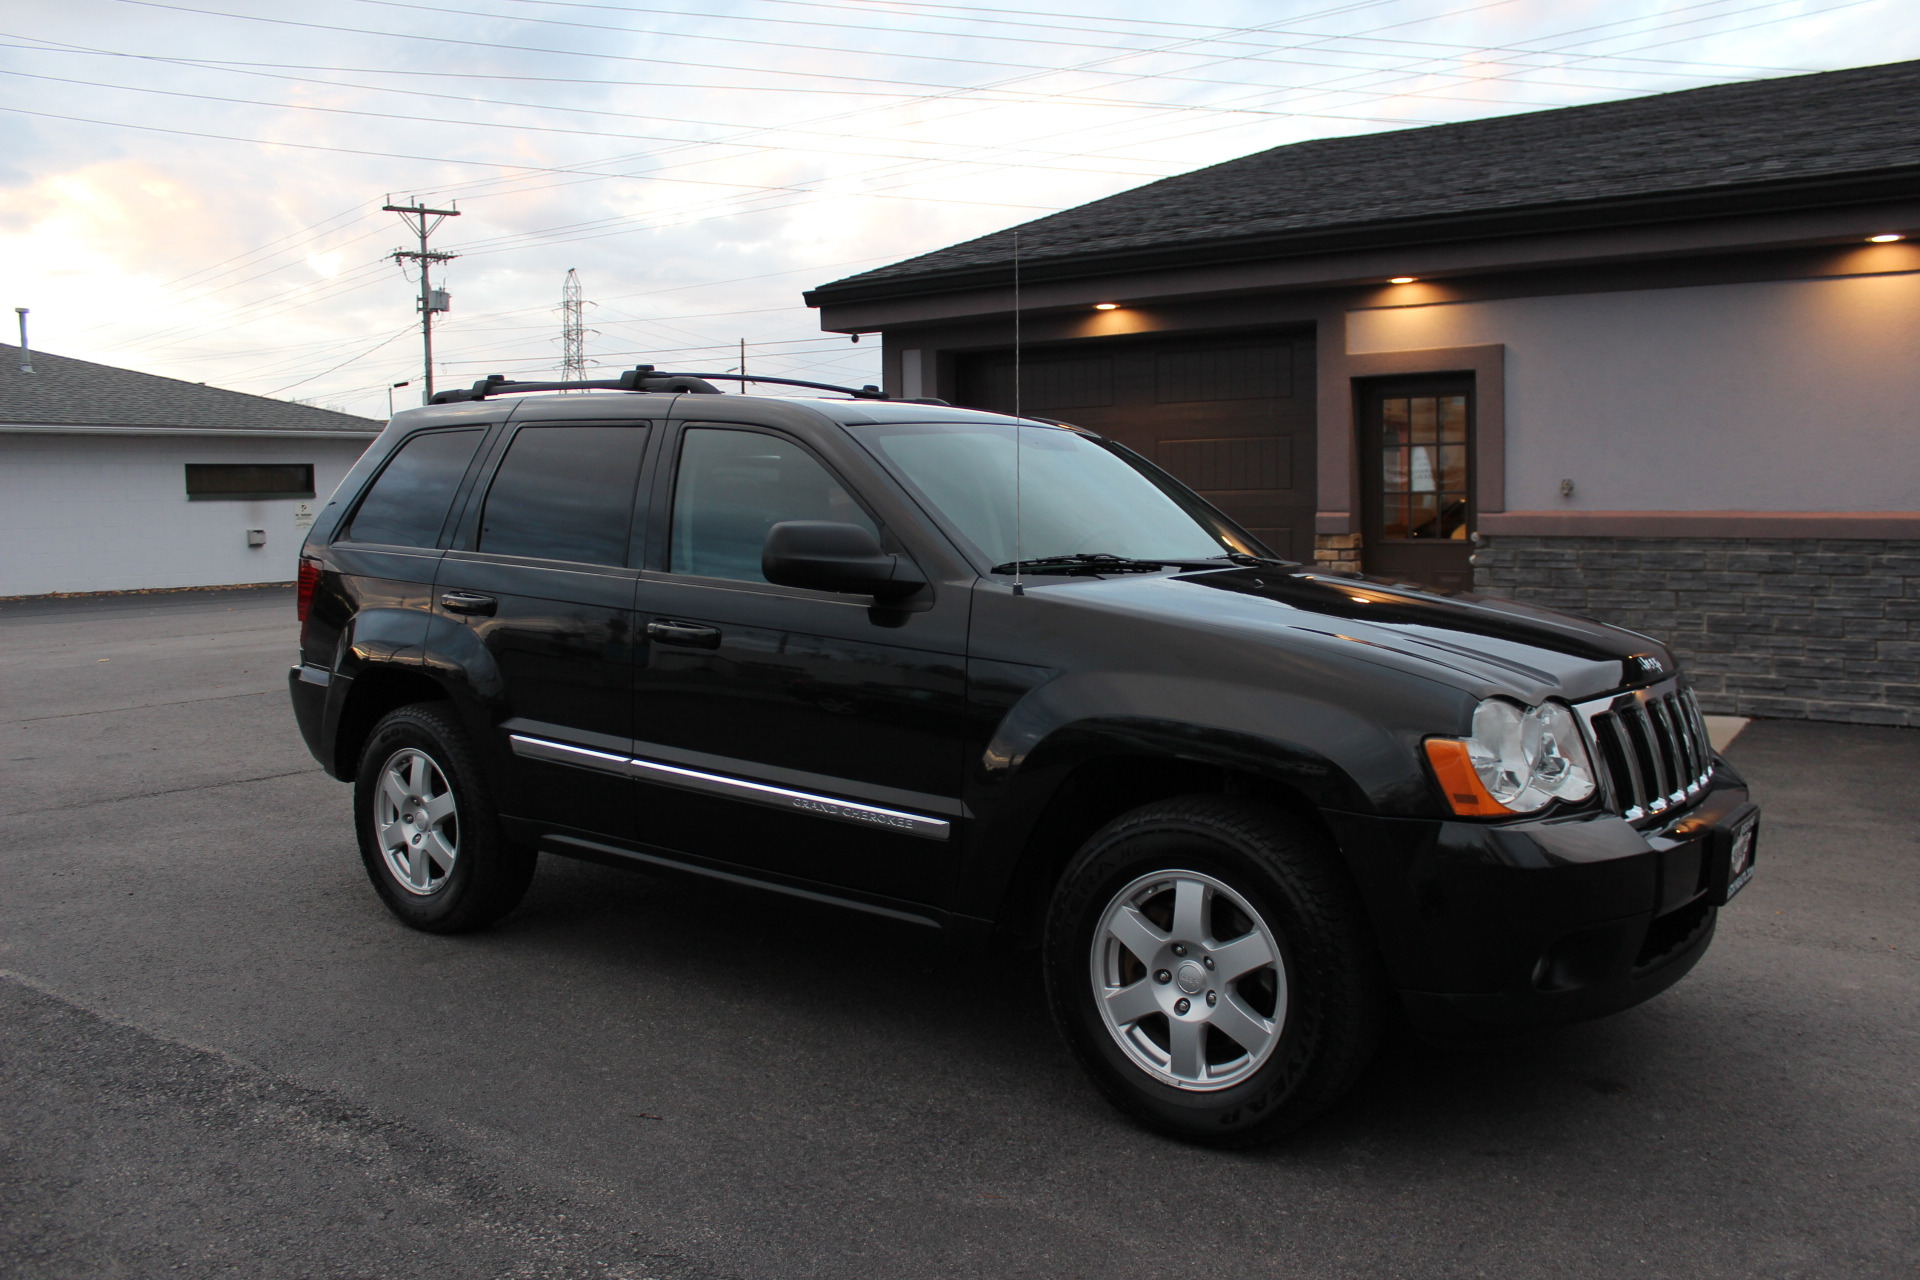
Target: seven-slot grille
<point>1653,748</point>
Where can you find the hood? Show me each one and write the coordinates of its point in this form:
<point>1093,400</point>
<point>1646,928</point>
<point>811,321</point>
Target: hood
<point>1466,640</point>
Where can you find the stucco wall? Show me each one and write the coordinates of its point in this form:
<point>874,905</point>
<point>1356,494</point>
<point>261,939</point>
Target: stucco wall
<point>1799,395</point>
<point>110,513</point>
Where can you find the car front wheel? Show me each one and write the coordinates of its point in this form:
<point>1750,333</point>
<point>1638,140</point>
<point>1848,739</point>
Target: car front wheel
<point>1209,966</point>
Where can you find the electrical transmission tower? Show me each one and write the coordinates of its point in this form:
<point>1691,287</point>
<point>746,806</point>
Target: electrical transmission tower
<point>573,331</point>
<point>432,300</point>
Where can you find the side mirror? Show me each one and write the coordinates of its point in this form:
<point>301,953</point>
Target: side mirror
<point>827,556</point>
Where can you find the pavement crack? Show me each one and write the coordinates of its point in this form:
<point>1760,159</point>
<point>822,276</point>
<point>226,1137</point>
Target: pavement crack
<point>164,791</point>
<point>142,706</point>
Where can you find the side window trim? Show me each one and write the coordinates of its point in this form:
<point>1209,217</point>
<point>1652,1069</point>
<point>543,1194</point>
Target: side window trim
<point>344,530</point>
<point>466,532</point>
<point>483,458</point>
<point>666,481</point>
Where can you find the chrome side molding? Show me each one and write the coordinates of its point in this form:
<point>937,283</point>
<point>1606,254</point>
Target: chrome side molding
<point>564,753</point>
<point>717,784</point>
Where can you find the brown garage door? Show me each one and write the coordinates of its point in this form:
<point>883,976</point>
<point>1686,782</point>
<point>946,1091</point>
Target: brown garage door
<point>1232,416</point>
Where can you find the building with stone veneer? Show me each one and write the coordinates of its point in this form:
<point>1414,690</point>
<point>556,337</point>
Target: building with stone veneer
<point>1656,360</point>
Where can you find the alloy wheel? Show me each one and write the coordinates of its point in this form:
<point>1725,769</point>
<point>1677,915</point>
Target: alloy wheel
<point>416,821</point>
<point>1189,980</point>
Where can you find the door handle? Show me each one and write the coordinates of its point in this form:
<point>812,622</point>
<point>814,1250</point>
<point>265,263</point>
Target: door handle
<point>468,602</point>
<point>690,635</point>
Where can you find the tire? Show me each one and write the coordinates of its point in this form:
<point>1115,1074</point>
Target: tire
<point>1256,1023</point>
<point>442,865</point>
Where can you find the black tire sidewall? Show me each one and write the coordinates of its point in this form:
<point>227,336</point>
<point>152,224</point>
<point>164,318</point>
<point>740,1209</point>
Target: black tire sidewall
<point>428,729</point>
<point>1294,1083</point>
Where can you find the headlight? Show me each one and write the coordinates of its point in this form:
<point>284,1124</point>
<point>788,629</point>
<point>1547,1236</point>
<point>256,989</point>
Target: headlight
<point>1517,761</point>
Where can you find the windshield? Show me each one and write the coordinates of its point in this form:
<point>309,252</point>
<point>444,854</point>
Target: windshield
<point>1078,495</point>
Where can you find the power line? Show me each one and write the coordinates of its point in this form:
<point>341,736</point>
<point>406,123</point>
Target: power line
<point>487,164</point>
<point>535,128</point>
<point>344,363</point>
<point>1006,18</point>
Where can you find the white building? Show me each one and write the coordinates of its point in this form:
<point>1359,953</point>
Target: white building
<point>112,480</point>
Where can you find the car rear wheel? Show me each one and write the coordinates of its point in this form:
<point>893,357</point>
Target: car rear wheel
<point>428,833</point>
<point>1209,966</point>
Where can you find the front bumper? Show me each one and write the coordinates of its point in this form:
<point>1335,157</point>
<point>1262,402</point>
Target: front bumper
<point>1524,924</point>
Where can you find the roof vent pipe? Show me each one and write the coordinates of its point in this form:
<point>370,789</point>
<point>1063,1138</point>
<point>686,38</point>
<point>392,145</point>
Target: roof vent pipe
<point>26,356</point>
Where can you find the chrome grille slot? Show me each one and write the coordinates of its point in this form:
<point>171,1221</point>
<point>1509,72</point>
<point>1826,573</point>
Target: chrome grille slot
<point>1652,749</point>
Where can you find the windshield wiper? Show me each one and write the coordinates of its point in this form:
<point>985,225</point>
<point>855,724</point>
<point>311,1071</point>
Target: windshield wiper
<point>1083,562</point>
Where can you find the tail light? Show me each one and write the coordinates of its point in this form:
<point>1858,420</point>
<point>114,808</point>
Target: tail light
<point>309,579</point>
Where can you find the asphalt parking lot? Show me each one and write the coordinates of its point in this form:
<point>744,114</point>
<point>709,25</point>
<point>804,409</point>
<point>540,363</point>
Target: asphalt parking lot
<point>219,1055</point>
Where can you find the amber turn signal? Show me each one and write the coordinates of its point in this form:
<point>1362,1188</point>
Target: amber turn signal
<point>1466,795</point>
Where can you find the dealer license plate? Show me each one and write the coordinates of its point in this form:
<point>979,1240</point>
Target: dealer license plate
<point>1740,856</point>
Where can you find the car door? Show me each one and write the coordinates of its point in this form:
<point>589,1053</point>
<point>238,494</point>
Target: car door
<point>384,555</point>
<point>538,593</point>
<point>806,735</point>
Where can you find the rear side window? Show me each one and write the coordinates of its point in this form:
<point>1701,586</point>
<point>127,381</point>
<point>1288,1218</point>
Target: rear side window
<point>565,493</point>
<point>733,486</point>
<point>408,503</point>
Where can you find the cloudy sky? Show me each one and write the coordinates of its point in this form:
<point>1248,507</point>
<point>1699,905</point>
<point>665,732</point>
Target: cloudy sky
<point>195,189</point>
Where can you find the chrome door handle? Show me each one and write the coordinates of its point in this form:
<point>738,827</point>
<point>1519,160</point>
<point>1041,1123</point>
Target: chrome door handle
<point>468,602</point>
<point>689,635</point>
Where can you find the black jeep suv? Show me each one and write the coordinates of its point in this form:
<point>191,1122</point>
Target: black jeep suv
<point>981,674</point>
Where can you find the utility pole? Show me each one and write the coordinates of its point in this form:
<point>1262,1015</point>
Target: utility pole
<point>573,331</point>
<point>416,216</point>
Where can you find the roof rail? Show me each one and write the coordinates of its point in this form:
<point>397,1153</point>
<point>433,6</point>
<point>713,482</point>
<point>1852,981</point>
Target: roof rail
<point>646,378</point>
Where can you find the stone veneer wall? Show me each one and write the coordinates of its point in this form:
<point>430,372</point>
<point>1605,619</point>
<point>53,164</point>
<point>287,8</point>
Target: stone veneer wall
<point>1337,551</point>
<point>1805,628</point>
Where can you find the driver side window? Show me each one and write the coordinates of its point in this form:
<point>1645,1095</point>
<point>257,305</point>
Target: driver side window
<point>733,486</point>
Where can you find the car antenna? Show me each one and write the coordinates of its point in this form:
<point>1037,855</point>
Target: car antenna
<point>1019,587</point>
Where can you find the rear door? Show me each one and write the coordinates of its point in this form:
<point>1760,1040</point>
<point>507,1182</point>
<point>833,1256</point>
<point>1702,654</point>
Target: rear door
<point>372,604</point>
<point>537,597</point>
<point>803,734</point>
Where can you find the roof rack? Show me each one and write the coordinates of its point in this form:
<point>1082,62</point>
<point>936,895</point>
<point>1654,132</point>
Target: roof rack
<point>646,378</point>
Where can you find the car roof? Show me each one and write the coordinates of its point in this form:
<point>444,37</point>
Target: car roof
<point>845,412</point>
<point>853,413</point>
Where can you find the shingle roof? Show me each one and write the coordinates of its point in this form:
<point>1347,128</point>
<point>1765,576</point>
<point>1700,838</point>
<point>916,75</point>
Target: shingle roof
<point>1723,139</point>
<point>62,391</point>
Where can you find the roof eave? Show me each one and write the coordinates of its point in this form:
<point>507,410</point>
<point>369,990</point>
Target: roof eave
<point>258,433</point>
<point>1747,198</point>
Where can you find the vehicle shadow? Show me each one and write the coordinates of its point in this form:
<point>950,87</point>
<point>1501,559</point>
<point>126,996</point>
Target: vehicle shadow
<point>981,1011</point>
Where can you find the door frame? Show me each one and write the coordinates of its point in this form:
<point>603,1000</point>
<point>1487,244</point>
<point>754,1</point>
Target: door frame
<point>1369,517</point>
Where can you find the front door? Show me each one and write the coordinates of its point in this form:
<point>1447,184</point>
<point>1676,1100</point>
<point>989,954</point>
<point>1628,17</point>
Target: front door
<point>801,733</point>
<point>1416,457</point>
<point>542,585</point>
<point>1231,415</point>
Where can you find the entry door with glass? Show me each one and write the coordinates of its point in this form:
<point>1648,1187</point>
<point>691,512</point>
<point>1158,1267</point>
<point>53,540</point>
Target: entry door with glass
<point>1416,450</point>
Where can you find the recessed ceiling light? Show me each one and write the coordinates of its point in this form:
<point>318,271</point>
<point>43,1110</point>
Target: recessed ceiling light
<point>1106,306</point>
<point>1888,238</point>
<point>1403,280</point>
